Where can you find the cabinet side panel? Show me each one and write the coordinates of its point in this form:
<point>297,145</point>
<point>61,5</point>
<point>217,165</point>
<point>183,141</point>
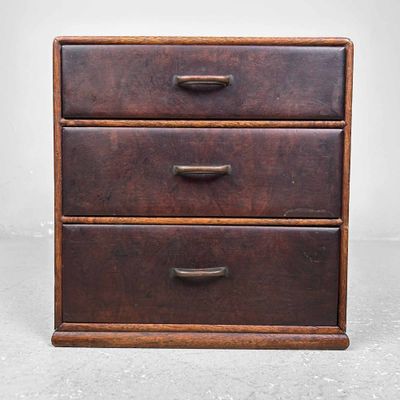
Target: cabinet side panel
<point>57,182</point>
<point>345,188</point>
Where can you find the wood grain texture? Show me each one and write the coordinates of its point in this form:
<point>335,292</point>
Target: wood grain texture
<point>121,274</point>
<point>346,188</point>
<point>201,221</point>
<point>342,305</point>
<point>206,40</point>
<point>200,123</point>
<point>201,340</point>
<point>274,172</point>
<point>57,184</point>
<point>137,334</point>
<point>347,133</point>
<point>92,327</point>
<point>137,81</point>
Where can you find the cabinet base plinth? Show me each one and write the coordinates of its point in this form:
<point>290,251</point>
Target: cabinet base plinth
<point>201,340</point>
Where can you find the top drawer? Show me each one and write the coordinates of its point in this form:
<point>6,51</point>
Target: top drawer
<point>203,82</point>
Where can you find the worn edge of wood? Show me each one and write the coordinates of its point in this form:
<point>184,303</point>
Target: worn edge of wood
<point>337,341</point>
<point>57,184</point>
<point>182,123</point>
<point>205,40</point>
<point>200,221</point>
<point>342,306</point>
<point>130,327</point>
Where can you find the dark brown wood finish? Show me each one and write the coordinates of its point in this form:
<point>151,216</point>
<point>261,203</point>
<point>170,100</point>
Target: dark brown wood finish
<point>139,81</point>
<point>201,123</point>
<point>273,172</point>
<point>346,187</point>
<point>206,40</point>
<point>202,340</point>
<point>203,335</point>
<point>122,274</point>
<point>57,184</point>
<point>202,221</point>
<point>109,327</point>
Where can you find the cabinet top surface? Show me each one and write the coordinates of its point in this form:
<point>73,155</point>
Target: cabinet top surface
<point>309,41</point>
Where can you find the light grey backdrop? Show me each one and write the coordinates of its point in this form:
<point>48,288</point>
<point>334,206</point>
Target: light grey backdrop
<point>28,27</point>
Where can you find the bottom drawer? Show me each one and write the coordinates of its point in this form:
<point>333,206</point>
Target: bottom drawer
<point>131,274</point>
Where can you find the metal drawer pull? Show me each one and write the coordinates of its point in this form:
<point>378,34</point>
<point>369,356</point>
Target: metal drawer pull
<point>202,169</point>
<point>199,273</point>
<point>191,81</point>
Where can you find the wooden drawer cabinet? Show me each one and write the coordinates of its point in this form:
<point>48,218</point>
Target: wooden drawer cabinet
<point>201,191</point>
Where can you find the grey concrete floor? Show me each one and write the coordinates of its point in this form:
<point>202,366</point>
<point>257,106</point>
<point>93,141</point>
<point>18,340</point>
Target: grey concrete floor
<point>30,368</point>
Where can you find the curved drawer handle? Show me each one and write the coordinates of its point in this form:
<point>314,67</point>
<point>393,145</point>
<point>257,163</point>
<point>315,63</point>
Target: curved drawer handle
<point>202,169</point>
<point>199,273</point>
<point>194,81</point>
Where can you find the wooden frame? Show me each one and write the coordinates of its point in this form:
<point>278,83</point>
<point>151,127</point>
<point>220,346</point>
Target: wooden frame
<point>201,336</point>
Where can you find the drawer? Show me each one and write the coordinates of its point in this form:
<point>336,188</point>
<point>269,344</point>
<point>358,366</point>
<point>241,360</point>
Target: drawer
<point>133,274</point>
<point>236,82</point>
<point>260,172</point>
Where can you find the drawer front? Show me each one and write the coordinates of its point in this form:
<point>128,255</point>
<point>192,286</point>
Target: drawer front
<point>263,82</point>
<point>271,172</point>
<point>123,274</point>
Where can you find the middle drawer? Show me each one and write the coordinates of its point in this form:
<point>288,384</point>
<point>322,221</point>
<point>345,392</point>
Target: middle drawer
<point>245,172</point>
